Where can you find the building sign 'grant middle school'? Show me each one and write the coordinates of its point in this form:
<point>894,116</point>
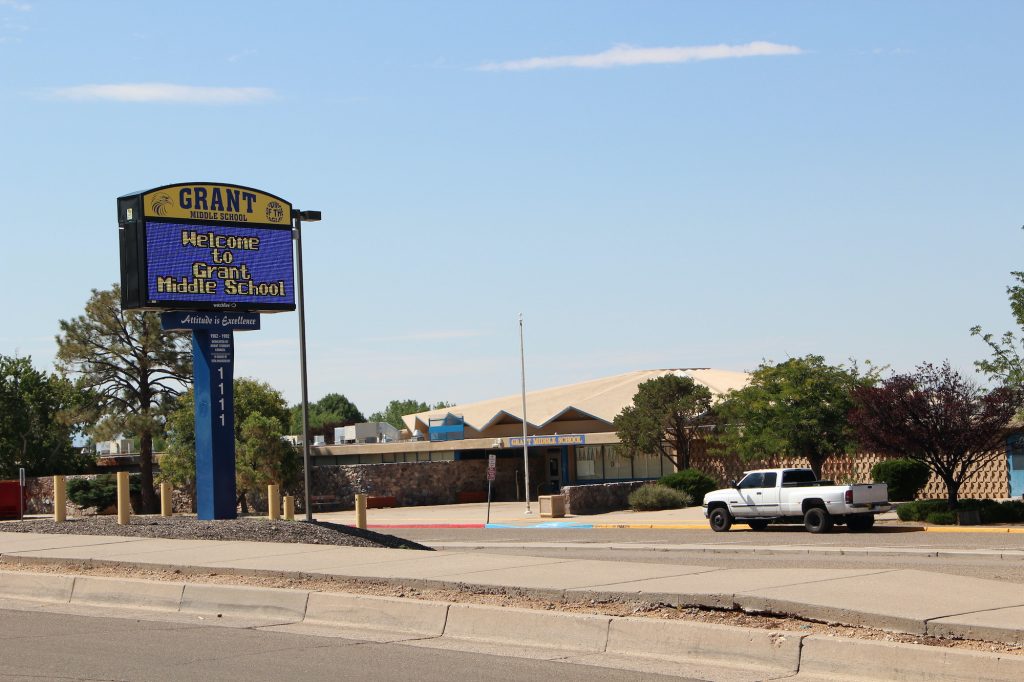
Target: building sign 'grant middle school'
<point>205,246</point>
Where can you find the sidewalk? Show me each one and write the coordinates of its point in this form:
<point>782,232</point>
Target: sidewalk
<point>911,601</point>
<point>513,515</point>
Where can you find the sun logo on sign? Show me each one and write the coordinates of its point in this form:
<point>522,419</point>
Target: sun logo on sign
<point>161,202</point>
<point>275,212</point>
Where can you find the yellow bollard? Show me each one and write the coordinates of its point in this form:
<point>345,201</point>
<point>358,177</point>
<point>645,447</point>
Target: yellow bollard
<point>60,499</point>
<point>273,503</point>
<point>124,500</point>
<point>361,510</point>
<point>289,508</point>
<point>165,499</point>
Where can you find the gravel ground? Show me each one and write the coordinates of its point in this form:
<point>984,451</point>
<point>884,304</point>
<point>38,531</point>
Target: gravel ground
<point>249,529</point>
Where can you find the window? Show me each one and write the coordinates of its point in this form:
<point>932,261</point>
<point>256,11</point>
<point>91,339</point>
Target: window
<point>616,466</point>
<point>589,464</point>
<point>769,480</point>
<point>647,465</point>
<point>795,477</point>
<point>752,481</point>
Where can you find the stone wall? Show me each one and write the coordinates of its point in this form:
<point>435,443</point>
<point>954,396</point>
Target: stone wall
<point>599,497</point>
<point>414,483</point>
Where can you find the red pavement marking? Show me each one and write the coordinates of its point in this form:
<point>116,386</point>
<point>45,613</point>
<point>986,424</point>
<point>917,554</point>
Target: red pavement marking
<point>425,525</point>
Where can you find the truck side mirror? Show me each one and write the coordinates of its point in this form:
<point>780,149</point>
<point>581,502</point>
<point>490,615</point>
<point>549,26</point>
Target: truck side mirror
<point>733,484</point>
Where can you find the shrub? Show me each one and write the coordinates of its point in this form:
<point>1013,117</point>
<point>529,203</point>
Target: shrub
<point>919,511</point>
<point>694,482</point>
<point>941,518</point>
<point>905,477</point>
<point>657,496</point>
<point>100,492</point>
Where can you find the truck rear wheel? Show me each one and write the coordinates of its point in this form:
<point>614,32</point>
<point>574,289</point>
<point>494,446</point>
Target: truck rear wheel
<point>720,519</point>
<point>860,522</point>
<point>817,520</point>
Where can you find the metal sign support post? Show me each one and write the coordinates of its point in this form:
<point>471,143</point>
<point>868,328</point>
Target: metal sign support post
<point>213,355</point>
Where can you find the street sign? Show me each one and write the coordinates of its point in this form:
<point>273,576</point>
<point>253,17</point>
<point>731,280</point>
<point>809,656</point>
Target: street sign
<point>492,463</point>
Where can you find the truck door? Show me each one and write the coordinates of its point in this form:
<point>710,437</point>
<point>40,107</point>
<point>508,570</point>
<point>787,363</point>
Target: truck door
<point>751,493</point>
<point>760,496</point>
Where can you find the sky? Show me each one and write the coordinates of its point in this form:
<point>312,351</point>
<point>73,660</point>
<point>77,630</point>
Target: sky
<point>651,184</point>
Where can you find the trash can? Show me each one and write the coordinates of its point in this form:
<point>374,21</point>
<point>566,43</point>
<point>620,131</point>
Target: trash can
<point>552,506</point>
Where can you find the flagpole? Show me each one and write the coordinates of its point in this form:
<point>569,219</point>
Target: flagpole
<point>526,452</point>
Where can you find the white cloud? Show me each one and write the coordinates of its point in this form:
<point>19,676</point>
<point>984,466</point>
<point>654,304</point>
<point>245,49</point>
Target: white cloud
<point>163,92</point>
<point>626,55</point>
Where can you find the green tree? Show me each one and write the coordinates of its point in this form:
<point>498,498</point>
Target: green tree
<point>263,457</point>
<point>37,420</point>
<point>332,410</point>
<point>134,369</point>
<point>252,398</point>
<point>1006,366</point>
<point>396,409</point>
<point>797,408</point>
<point>670,415</point>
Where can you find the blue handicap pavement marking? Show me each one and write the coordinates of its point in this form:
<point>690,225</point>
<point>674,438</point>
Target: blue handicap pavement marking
<point>546,524</point>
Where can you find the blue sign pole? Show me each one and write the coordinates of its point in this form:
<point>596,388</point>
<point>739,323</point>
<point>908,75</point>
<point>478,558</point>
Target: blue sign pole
<point>213,355</point>
<point>213,370</point>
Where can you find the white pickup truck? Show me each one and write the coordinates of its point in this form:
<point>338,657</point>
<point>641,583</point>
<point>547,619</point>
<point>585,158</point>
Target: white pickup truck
<point>795,496</point>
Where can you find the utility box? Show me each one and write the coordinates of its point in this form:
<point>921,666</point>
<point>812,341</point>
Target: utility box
<point>552,506</point>
<point>367,432</point>
<point>12,504</point>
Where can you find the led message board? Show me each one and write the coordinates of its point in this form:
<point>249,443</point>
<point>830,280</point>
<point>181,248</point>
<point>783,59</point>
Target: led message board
<point>203,246</point>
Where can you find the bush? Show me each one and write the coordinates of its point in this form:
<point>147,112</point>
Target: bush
<point>657,496</point>
<point>100,492</point>
<point>905,477</point>
<point>919,511</point>
<point>694,482</point>
<point>941,518</point>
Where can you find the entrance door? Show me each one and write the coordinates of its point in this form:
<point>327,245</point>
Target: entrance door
<point>1015,463</point>
<point>554,470</point>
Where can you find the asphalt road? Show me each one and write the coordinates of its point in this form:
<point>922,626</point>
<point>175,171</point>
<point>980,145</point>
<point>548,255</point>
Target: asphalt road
<point>53,646</point>
<point>890,548</point>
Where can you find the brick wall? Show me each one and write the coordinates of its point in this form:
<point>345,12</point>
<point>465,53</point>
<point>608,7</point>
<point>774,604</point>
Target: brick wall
<point>992,481</point>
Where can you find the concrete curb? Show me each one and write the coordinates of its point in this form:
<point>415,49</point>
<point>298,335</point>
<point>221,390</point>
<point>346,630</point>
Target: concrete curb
<point>838,658</point>
<point>385,614</point>
<point>260,602</point>
<point>598,640</point>
<point>526,627</point>
<point>37,586</point>
<point>767,650</point>
<point>135,593</point>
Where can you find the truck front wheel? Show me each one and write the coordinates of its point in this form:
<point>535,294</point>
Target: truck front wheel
<point>817,520</point>
<point>720,519</point>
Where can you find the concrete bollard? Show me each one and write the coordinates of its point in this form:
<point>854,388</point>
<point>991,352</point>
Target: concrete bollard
<point>60,499</point>
<point>289,508</point>
<point>124,500</point>
<point>165,499</point>
<point>361,510</point>
<point>273,503</point>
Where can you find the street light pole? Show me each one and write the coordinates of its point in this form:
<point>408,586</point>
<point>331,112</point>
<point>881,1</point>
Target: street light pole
<point>297,218</point>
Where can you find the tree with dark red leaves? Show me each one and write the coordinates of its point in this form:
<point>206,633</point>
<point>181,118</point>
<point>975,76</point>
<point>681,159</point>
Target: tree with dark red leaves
<point>937,416</point>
